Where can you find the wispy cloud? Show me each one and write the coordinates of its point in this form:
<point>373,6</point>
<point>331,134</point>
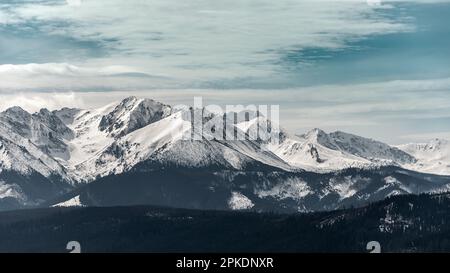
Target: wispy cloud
<point>201,41</point>
<point>62,69</point>
<point>67,77</point>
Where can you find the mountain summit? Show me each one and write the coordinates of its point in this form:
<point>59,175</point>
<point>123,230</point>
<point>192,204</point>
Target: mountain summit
<point>132,114</point>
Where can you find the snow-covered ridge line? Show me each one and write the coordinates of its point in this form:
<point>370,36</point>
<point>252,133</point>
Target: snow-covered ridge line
<point>433,157</point>
<point>82,145</point>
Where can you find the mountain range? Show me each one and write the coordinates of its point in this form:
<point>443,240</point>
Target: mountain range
<point>133,152</point>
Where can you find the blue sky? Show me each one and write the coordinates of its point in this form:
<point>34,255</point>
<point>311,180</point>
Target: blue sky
<point>376,69</point>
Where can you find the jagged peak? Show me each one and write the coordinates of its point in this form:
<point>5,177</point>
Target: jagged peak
<point>131,114</point>
<point>131,100</point>
<point>66,114</point>
<point>16,110</point>
<point>17,114</point>
<point>339,133</point>
<point>45,114</point>
<point>315,134</point>
<point>125,103</point>
<point>317,131</point>
<point>45,111</point>
<point>345,137</point>
<point>66,110</point>
<point>148,102</point>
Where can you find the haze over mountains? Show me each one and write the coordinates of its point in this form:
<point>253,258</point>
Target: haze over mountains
<point>133,152</point>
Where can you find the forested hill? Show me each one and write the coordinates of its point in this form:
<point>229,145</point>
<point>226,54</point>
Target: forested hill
<point>401,224</point>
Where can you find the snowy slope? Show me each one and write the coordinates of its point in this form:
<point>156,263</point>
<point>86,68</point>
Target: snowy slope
<point>97,129</point>
<point>132,114</point>
<point>89,139</point>
<point>22,149</point>
<point>308,153</point>
<point>110,156</point>
<point>319,151</point>
<point>433,157</point>
<point>73,202</point>
<point>162,142</point>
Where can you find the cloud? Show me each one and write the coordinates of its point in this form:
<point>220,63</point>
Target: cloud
<point>75,3</point>
<point>68,77</point>
<point>200,40</point>
<point>64,70</point>
<point>5,18</point>
<point>33,102</point>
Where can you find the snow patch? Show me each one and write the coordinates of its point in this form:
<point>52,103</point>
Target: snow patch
<point>238,201</point>
<point>292,188</point>
<point>11,191</point>
<point>344,187</point>
<point>73,202</point>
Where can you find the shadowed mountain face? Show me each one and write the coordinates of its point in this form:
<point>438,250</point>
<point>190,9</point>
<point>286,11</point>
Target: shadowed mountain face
<point>259,188</point>
<point>135,152</point>
<point>406,223</point>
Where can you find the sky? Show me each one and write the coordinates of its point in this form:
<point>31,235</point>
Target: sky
<point>380,69</point>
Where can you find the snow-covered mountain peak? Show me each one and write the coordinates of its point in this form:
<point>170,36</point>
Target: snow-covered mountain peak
<point>316,136</point>
<point>17,120</point>
<point>56,126</point>
<point>43,128</point>
<point>45,112</point>
<point>16,115</point>
<point>433,156</point>
<point>29,144</point>
<point>129,100</point>
<point>366,148</point>
<point>16,111</point>
<point>315,133</point>
<point>132,114</point>
<point>67,115</point>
